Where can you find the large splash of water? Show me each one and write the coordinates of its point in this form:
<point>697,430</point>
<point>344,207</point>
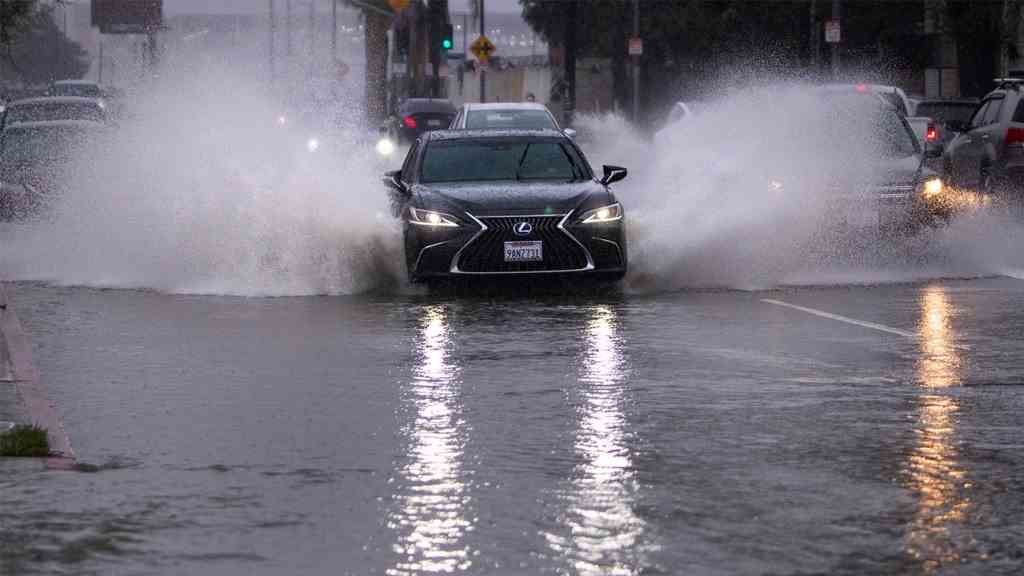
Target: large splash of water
<point>199,190</point>
<point>737,197</point>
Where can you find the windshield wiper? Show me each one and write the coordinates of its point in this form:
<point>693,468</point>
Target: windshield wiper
<point>521,160</point>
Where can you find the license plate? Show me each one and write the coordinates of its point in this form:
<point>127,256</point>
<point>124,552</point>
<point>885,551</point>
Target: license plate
<point>433,122</point>
<point>528,251</point>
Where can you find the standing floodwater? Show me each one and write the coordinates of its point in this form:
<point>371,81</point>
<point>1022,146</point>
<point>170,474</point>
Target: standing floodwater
<point>709,433</point>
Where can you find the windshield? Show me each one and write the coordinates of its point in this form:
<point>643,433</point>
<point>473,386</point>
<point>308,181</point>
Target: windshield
<point>517,119</point>
<point>863,122</point>
<point>51,111</point>
<point>468,161</point>
<point>947,112</point>
<point>32,146</point>
<point>86,90</point>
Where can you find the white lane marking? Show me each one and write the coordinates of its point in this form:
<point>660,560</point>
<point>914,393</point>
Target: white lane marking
<point>838,318</point>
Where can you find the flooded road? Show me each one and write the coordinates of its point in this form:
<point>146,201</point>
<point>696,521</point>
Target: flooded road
<point>841,430</point>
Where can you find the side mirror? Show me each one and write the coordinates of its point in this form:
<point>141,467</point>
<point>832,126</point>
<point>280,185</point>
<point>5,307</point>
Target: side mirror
<point>393,180</point>
<point>570,133</point>
<point>613,174</point>
<point>933,150</point>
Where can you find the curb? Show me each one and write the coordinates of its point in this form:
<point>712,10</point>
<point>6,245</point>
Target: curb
<point>16,361</point>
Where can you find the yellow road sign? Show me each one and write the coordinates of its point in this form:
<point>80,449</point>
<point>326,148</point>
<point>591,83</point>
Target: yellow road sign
<point>483,48</point>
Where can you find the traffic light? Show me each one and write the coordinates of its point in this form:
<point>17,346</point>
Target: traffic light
<point>446,37</point>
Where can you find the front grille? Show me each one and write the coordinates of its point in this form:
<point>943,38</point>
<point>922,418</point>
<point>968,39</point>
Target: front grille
<point>487,252</point>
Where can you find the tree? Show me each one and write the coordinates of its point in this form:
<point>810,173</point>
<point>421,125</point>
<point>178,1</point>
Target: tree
<point>35,49</point>
<point>14,16</point>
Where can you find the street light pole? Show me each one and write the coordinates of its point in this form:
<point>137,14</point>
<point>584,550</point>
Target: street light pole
<point>636,63</point>
<point>270,40</point>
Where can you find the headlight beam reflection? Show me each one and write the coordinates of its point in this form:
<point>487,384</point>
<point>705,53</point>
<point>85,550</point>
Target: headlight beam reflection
<point>933,468</point>
<point>430,515</point>
<point>602,534</point>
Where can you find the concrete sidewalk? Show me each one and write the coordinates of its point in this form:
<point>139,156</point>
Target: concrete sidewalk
<point>23,398</point>
<point>12,407</point>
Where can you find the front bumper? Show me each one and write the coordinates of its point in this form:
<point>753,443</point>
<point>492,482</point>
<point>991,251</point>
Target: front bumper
<point>894,206</point>
<point>477,249</point>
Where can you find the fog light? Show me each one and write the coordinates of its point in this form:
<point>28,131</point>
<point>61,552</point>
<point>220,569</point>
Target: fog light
<point>385,147</point>
<point>932,188</point>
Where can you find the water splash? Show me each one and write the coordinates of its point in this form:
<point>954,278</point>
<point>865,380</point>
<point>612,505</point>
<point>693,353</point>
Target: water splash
<point>736,197</point>
<point>200,190</point>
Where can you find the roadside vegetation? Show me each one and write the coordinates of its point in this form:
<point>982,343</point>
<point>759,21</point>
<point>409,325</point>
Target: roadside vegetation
<point>24,441</point>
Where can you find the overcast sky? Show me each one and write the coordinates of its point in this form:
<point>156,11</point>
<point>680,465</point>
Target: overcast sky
<point>234,6</point>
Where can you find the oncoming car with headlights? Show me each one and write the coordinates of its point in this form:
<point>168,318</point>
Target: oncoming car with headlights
<point>882,180</point>
<point>504,203</point>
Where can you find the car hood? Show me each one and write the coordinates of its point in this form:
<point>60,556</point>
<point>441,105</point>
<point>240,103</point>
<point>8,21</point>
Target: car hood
<point>511,198</point>
<point>39,177</point>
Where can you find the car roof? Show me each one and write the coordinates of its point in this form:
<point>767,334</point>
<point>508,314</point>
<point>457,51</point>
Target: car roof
<point>505,106</point>
<point>46,124</point>
<point>57,100</point>
<point>954,101</point>
<point>74,83</point>
<point>427,105</point>
<point>867,87</point>
<point>492,134</point>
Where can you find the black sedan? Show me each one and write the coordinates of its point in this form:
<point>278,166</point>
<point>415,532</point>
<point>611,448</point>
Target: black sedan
<point>492,203</point>
<point>417,116</point>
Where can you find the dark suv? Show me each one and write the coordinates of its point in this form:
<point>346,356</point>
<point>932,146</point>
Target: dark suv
<point>989,154</point>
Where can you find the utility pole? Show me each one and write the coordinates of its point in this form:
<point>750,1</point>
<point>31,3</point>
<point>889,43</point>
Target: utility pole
<point>270,39</point>
<point>99,75</point>
<point>636,63</point>
<point>483,72</point>
<point>837,16</point>
<point>814,38</point>
<point>569,102</point>
<point>334,29</point>
<point>312,31</point>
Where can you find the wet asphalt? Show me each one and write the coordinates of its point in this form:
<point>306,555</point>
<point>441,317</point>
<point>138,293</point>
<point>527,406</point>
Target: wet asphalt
<point>840,430</point>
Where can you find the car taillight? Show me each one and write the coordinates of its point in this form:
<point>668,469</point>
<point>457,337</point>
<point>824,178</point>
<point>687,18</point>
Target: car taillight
<point>409,122</point>
<point>932,134</point>
<point>1015,137</point>
<point>861,88</point>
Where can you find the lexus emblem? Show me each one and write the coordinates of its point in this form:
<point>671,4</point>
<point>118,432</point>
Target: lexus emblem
<point>522,228</point>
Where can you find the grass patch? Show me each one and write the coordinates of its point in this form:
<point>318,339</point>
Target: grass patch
<point>24,441</point>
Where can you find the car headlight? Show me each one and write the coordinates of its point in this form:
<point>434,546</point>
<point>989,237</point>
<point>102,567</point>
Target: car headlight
<point>931,187</point>
<point>421,217</point>
<point>312,144</point>
<point>610,213</point>
<point>385,147</point>
<point>282,120</point>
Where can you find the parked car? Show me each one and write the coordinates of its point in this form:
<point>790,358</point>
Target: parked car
<point>52,109</point>
<point>35,160</point>
<point>416,116</point>
<point>950,116</point>
<point>989,155</point>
